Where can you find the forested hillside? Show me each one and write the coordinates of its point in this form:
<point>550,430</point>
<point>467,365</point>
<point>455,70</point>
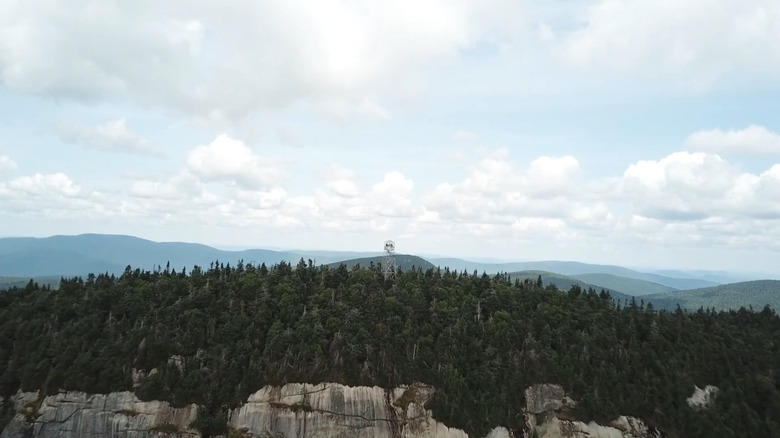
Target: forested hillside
<point>404,262</point>
<point>564,282</point>
<point>216,335</point>
<point>755,294</point>
<point>630,286</point>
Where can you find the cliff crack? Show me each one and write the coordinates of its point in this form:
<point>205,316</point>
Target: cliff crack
<point>307,408</point>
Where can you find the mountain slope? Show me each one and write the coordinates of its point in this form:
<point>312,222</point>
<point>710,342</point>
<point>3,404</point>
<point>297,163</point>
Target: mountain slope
<point>757,294</point>
<point>20,282</point>
<point>403,261</point>
<point>97,253</point>
<point>719,277</point>
<point>628,286</point>
<point>564,283</point>
<point>572,268</point>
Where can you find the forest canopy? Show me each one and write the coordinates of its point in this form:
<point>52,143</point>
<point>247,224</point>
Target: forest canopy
<point>216,335</point>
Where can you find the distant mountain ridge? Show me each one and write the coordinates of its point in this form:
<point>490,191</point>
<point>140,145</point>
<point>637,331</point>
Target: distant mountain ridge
<point>98,253</point>
<point>47,259</point>
<point>564,283</point>
<point>630,286</point>
<point>573,268</point>
<point>732,296</point>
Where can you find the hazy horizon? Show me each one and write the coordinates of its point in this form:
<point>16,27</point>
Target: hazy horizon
<point>694,272</point>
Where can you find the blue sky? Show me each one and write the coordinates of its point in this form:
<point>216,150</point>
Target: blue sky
<point>637,133</point>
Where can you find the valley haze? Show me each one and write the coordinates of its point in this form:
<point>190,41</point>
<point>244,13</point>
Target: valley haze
<point>112,253</point>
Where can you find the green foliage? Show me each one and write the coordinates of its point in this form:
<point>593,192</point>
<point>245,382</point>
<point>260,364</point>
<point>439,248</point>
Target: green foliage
<point>626,285</point>
<point>210,424</point>
<point>409,396</point>
<point>166,428</point>
<point>21,282</point>
<point>216,335</point>
<point>403,262</point>
<point>31,409</point>
<point>755,294</point>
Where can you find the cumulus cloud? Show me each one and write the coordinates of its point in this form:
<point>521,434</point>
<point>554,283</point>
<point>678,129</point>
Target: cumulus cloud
<point>685,199</point>
<point>696,186</point>
<point>183,184</point>
<point>225,182</point>
<point>341,181</point>
<point>226,159</point>
<point>551,175</point>
<point>752,140</point>
<point>7,164</point>
<point>113,136</point>
<point>688,39</point>
<point>54,196</point>
<point>391,196</point>
<point>41,185</point>
<point>500,191</point>
<point>263,199</point>
<point>211,61</point>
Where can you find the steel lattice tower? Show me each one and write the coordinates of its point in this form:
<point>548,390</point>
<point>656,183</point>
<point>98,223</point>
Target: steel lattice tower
<point>388,260</point>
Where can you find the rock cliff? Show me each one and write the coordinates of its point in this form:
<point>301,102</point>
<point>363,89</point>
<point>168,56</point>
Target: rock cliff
<point>330,410</point>
<point>547,416</point>
<point>324,410</point>
<point>76,414</point>
<point>703,398</point>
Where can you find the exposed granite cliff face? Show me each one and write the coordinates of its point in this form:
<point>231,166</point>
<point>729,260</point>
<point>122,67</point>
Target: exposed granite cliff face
<point>297,411</point>
<point>330,410</point>
<point>76,414</point>
<point>546,416</point>
<point>703,398</point>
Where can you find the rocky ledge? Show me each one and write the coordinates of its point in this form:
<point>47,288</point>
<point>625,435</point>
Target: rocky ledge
<point>298,411</point>
<point>76,414</point>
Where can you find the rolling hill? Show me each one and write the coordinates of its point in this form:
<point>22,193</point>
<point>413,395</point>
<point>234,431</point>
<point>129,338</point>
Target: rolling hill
<point>98,253</point>
<point>628,286</point>
<point>755,294</point>
<point>403,261</point>
<point>56,256</point>
<point>9,282</point>
<point>564,283</point>
<point>571,269</point>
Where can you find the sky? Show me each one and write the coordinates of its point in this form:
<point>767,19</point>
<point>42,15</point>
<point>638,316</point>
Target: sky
<point>639,133</point>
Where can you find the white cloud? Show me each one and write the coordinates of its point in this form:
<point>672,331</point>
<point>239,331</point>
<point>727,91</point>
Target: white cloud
<point>41,185</point>
<point>391,196</point>
<point>52,196</point>
<point>690,40</point>
<point>500,191</point>
<point>184,184</point>
<point>214,62</point>
<point>752,140</point>
<point>263,200</point>
<point>226,159</point>
<point>113,136</point>
<point>7,164</point>
<point>341,181</point>
<point>697,186</point>
<point>683,200</point>
<point>551,175</point>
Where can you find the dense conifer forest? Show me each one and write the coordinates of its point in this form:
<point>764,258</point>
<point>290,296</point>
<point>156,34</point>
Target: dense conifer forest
<point>217,335</point>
